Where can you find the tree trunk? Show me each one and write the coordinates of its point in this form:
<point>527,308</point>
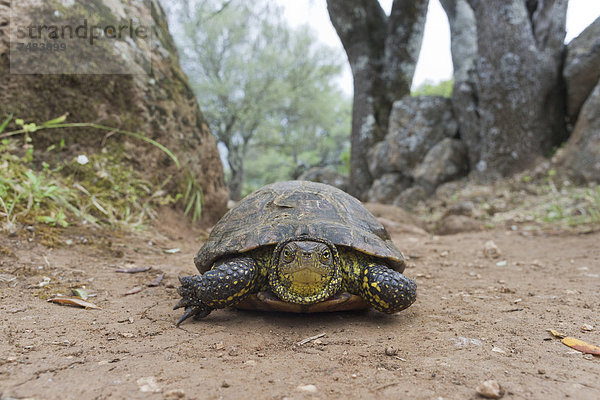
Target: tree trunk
<point>235,158</point>
<point>383,53</point>
<point>464,56</point>
<point>519,84</point>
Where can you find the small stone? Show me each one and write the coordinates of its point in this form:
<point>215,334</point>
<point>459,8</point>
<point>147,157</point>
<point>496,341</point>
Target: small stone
<point>541,371</point>
<point>174,394</point>
<point>218,346</point>
<point>225,384</point>
<point>588,357</point>
<point>233,352</point>
<point>390,351</point>
<point>587,328</point>
<point>307,388</point>
<point>148,385</point>
<point>251,362</point>
<point>490,249</point>
<point>490,390</point>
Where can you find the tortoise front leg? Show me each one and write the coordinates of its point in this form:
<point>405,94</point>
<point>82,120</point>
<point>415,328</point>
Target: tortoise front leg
<point>224,285</point>
<point>387,290</point>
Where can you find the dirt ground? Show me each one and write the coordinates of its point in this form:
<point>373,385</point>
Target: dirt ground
<point>476,318</point>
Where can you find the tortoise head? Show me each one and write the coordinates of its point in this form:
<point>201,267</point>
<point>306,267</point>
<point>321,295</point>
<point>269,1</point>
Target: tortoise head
<point>305,270</point>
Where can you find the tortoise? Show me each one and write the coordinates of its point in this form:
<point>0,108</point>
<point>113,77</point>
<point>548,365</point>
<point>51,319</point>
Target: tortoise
<point>297,246</point>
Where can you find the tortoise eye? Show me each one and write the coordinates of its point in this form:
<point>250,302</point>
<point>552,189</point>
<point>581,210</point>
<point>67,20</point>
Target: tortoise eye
<point>325,255</point>
<point>288,254</point>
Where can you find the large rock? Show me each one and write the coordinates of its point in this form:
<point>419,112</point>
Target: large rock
<point>385,189</point>
<point>416,125</point>
<point>325,175</point>
<point>580,158</point>
<point>411,197</point>
<point>582,68</point>
<point>446,161</point>
<point>147,92</point>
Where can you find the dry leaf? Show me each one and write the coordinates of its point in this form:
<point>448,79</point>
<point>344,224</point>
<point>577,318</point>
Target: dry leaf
<point>74,301</point>
<point>135,290</point>
<point>157,280</point>
<point>133,270</point>
<point>557,334</point>
<point>581,346</point>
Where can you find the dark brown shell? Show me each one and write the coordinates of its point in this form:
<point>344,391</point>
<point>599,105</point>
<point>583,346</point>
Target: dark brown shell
<point>288,209</point>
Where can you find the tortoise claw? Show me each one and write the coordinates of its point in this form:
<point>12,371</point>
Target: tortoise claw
<point>193,306</point>
<point>195,311</point>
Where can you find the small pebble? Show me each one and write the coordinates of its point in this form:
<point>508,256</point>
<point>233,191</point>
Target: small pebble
<point>491,250</point>
<point>174,394</point>
<point>148,385</point>
<point>541,371</point>
<point>225,384</point>
<point>390,351</point>
<point>587,328</point>
<point>233,352</point>
<point>307,388</point>
<point>490,390</point>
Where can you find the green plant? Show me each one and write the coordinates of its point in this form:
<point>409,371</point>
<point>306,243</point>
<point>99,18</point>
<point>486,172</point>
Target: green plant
<point>193,198</point>
<point>56,123</point>
<point>101,191</point>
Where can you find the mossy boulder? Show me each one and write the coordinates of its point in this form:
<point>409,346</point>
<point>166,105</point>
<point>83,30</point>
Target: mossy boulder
<point>150,95</point>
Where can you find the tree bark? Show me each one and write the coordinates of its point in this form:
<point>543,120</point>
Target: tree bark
<point>383,53</point>
<point>463,33</point>
<point>519,85</point>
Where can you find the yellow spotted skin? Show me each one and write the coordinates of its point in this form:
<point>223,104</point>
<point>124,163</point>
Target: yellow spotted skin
<point>229,282</point>
<point>386,290</point>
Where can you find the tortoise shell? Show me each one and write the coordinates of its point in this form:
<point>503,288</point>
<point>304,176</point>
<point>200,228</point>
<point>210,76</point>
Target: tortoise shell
<point>283,210</point>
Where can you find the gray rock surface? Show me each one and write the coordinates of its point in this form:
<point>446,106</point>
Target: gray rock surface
<point>409,198</point>
<point>446,161</point>
<point>416,125</point>
<point>325,175</point>
<point>388,187</point>
<point>580,158</point>
<point>582,68</point>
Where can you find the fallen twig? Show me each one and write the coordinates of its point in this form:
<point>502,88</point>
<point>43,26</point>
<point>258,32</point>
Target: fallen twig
<point>310,339</point>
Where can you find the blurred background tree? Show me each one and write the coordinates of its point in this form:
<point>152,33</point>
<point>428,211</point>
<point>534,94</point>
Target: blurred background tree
<point>268,91</point>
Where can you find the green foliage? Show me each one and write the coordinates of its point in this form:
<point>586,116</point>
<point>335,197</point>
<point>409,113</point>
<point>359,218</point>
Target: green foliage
<point>265,89</point>
<point>100,189</point>
<point>193,197</point>
<point>101,192</point>
<point>573,206</point>
<point>443,88</point>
